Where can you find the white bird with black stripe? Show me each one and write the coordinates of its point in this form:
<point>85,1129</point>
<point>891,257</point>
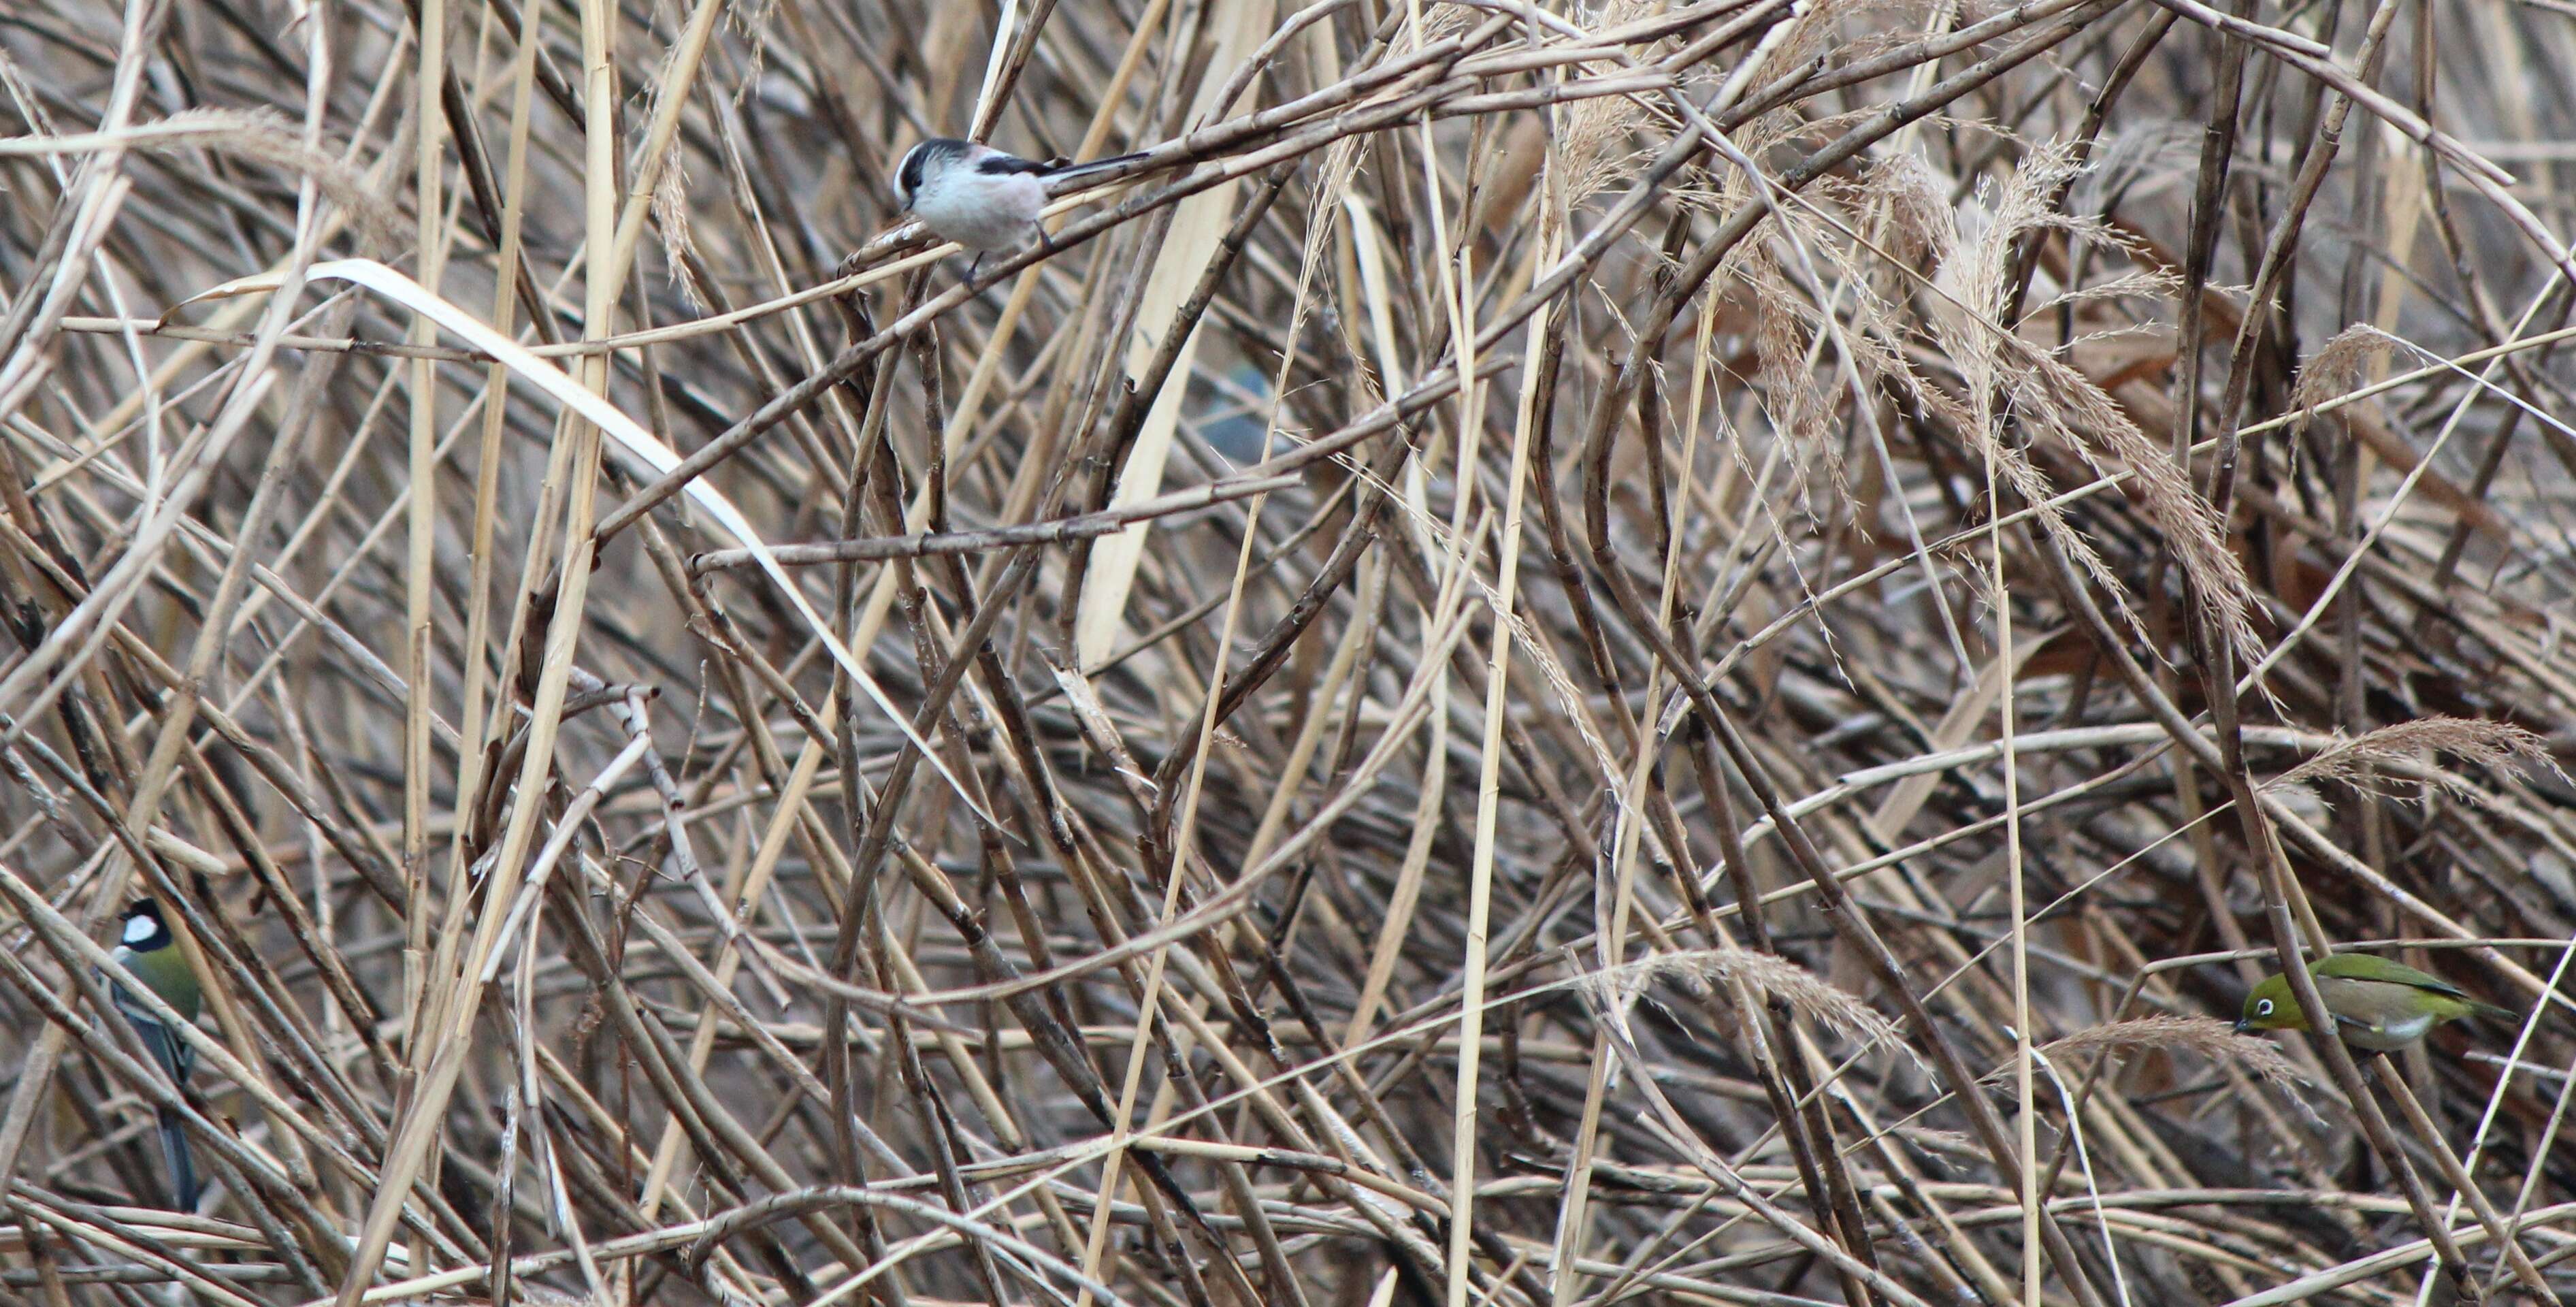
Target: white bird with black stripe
<point>982,198</point>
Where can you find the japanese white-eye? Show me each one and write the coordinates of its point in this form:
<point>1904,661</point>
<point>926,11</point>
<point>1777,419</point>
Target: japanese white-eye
<point>2377,1004</point>
<point>147,948</point>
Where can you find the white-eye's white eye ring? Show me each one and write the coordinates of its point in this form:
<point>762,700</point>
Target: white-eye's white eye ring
<point>2263,1007</point>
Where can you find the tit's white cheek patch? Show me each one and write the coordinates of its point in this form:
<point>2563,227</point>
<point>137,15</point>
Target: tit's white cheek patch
<point>139,928</point>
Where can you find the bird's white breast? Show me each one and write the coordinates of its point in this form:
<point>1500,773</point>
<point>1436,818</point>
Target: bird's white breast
<point>982,211</point>
<point>2387,1035</point>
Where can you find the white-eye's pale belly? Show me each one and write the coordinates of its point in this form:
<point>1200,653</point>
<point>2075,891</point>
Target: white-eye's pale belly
<point>2385,1036</point>
<point>984,213</point>
<point>2373,1016</point>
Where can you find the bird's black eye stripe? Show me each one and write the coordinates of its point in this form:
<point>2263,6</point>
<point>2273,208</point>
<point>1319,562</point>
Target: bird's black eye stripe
<point>908,176</point>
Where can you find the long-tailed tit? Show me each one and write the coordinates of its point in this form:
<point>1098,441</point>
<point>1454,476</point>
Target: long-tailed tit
<point>982,198</point>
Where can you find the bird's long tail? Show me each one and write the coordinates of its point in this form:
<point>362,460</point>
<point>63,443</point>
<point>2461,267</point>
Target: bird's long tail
<point>183,1170</point>
<point>2493,1013</point>
<point>1090,166</point>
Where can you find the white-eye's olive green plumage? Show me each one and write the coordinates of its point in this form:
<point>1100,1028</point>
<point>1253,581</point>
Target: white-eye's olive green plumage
<point>146,948</point>
<point>2377,1004</point>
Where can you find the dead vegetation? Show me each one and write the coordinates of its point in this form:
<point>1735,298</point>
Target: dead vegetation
<point>1560,655</point>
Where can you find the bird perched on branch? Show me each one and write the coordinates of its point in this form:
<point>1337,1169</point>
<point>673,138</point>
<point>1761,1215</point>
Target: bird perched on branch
<point>148,949</point>
<point>2377,1004</point>
<point>982,198</point>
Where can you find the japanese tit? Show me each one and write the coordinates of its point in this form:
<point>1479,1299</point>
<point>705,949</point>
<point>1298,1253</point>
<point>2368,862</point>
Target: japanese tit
<point>148,949</point>
<point>982,198</point>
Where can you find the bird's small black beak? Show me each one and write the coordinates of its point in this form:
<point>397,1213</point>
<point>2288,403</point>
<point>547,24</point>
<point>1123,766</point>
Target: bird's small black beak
<point>2241,1027</point>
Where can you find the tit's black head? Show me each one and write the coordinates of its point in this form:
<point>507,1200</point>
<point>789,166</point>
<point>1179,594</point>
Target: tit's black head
<point>143,929</point>
<point>937,152</point>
